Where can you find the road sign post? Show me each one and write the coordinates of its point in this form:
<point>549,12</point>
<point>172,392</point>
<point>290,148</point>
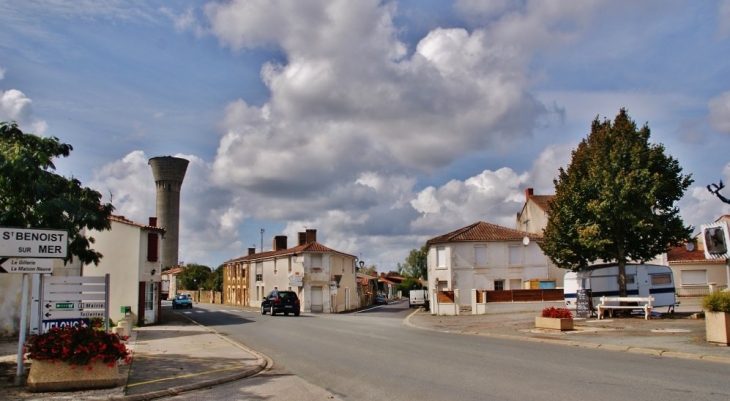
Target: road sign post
<point>33,243</point>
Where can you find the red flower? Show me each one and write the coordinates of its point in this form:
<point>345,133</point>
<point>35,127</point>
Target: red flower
<point>559,313</point>
<point>76,346</point>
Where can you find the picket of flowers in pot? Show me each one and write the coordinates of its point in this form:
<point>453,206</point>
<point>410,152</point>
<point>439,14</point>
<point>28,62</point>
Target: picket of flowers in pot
<point>555,319</point>
<point>75,358</point>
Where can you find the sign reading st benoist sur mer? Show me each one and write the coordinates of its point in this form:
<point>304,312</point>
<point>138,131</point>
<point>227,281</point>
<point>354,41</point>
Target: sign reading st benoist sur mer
<point>33,243</point>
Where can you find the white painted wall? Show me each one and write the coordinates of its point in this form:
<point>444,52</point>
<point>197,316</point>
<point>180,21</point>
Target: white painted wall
<point>462,273</point>
<point>125,259</point>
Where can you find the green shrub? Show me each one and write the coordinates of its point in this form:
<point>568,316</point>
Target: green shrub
<point>717,301</point>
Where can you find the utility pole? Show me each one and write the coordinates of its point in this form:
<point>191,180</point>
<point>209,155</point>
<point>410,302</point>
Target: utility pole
<point>262,239</point>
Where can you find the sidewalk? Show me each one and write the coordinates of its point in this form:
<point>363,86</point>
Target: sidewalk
<point>677,335</point>
<point>168,359</point>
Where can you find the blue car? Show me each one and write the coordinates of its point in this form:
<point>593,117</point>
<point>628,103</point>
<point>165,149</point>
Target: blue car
<point>182,301</point>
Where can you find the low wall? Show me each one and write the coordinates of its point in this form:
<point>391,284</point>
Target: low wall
<point>204,296</point>
<point>524,295</point>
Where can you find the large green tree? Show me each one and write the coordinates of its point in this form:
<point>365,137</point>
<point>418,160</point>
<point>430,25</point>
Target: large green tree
<point>32,195</point>
<point>616,200</point>
<point>195,277</point>
<point>415,265</point>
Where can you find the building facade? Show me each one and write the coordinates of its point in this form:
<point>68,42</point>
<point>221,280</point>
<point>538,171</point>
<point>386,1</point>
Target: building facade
<point>323,278</point>
<point>131,256</point>
<point>485,256</point>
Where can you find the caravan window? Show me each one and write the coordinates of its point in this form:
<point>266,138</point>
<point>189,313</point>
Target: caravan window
<point>661,279</point>
<point>630,279</point>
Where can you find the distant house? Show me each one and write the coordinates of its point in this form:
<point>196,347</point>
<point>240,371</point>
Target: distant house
<point>324,279</point>
<point>132,259</point>
<point>534,215</point>
<point>693,273</point>
<point>388,284</point>
<point>484,256</point>
<point>367,288</point>
<point>169,282</point>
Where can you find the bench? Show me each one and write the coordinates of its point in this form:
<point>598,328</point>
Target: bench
<point>604,305</point>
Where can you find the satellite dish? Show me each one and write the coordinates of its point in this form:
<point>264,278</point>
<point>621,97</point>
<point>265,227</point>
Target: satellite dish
<point>690,246</point>
<point>526,241</point>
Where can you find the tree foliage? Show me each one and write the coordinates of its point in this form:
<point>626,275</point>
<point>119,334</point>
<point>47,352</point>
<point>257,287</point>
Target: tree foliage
<point>415,265</point>
<point>371,270</point>
<point>32,195</point>
<point>195,277</point>
<point>615,202</point>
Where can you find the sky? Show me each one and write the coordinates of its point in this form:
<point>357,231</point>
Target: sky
<point>380,124</point>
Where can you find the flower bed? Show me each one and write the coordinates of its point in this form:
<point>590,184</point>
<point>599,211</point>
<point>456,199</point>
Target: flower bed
<point>555,319</point>
<point>74,358</point>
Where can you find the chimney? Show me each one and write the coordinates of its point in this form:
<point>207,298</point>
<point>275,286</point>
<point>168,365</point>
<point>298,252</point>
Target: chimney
<point>153,221</point>
<point>251,251</point>
<point>301,238</point>
<point>311,235</point>
<point>528,193</point>
<point>279,242</point>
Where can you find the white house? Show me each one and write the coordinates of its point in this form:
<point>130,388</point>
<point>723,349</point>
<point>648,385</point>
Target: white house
<point>324,279</point>
<point>484,256</point>
<point>131,256</point>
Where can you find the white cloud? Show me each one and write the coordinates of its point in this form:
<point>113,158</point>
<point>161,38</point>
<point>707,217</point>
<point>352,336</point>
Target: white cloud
<point>719,108</point>
<point>15,106</point>
<point>348,98</point>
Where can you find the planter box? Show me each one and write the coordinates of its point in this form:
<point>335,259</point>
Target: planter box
<point>47,376</point>
<point>553,323</point>
<point>717,327</point>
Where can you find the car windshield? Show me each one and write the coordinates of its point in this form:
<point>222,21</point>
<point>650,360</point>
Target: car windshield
<point>181,297</point>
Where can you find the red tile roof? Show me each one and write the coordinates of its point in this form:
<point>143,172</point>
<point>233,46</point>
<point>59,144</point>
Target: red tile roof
<point>680,254</point>
<point>542,201</point>
<point>121,219</point>
<point>481,231</point>
<point>314,247</point>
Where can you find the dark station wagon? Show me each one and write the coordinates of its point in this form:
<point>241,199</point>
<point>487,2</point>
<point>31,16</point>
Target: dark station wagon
<point>277,301</point>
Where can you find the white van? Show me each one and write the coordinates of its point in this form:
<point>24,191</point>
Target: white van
<point>641,281</point>
<point>418,298</point>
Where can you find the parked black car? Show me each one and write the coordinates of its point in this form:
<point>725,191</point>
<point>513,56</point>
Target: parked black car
<point>277,301</point>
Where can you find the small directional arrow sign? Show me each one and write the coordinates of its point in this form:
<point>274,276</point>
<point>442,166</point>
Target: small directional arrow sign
<point>16,265</point>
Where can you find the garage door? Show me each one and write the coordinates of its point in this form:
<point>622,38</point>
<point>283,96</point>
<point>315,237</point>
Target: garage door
<point>317,300</point>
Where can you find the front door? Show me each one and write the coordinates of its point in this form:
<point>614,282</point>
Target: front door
<point>150,303</point>
<point>317,299</point>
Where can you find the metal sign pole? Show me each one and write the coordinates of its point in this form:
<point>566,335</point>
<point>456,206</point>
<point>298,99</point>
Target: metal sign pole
<point>21,339</point>
<point>106,302</point>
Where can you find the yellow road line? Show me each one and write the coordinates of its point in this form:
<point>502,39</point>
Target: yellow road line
<point>183,376</point>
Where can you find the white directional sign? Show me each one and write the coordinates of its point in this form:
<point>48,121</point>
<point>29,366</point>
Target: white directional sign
<point>33,243</point>
<point>73,298</point>
<point>16,265</point>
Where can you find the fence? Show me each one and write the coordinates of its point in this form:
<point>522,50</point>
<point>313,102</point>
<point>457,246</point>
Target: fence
<point>522,295</point>
<point>697,291</point>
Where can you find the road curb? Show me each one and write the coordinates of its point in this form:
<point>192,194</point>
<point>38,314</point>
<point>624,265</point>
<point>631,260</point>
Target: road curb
<point>262,363</point>
<point>607,347</point>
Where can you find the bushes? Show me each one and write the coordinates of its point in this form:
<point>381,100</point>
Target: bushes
<point>558,313</point>
<point>717,301</point>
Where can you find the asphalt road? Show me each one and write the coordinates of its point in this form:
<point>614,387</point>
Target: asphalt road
<point>374,355</point>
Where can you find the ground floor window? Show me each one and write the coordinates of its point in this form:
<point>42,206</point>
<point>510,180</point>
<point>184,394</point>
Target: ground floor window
<point>498,285</point>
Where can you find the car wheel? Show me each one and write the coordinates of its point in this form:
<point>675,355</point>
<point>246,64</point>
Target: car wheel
<point>286,313</point>
<point>272,311</point>
<point>296,313</point>
<point>263,311</point>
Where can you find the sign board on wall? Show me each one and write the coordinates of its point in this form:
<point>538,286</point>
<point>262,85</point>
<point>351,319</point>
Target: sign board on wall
<point>33,243</point>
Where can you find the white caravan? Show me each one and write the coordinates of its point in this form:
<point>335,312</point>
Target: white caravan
<point>641,281</point>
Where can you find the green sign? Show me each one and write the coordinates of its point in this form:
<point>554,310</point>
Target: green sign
<point>64,305</point>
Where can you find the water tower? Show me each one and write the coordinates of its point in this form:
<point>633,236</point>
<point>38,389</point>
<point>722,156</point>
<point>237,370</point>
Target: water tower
<point>169,173</point>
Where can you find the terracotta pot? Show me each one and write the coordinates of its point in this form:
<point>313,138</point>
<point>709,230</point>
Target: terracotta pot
<point>553,323</point>
<point>47,376</point>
